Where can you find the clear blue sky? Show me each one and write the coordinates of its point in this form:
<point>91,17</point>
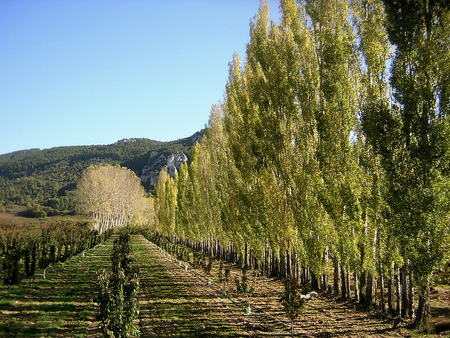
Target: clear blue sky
<point>79,72</point>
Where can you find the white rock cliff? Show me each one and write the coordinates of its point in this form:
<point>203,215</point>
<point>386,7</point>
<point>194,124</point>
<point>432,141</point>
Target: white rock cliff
<point>157,162</point>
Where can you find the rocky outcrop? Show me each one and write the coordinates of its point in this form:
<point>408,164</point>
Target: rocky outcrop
<point>166,160</point>
<point>197,137</point>
<point>157,162</point>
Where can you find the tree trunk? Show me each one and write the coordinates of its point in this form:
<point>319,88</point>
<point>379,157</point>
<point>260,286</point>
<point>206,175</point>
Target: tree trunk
<point>265,264</point>
<point>314,281</point>
<point>362,285</point>
<point>288,265</point>
<point>369,290</point>
<point>343,283</point>
<point>274,262</point>
<point>348,284</point>
<point>282,268</point>
<point>324,275</point>
<point>423,317</point>
<point>398,289</point>
<point>324,282</point>
<point>410,296</point>
<point>246,256</point>
<point>404,291</point>
<point>336,278</point>
<point>389,286</point>
<point>355,277</point>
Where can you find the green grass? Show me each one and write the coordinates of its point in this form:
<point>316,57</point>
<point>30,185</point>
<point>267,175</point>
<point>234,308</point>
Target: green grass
<point>55,305</point>
<point>62,304</point>
<point>169,308</point>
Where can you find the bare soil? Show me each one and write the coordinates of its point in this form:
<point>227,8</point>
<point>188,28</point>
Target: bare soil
<point>323,316</point>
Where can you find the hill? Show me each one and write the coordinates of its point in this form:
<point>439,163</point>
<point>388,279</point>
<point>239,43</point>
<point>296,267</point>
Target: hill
<point>37,178</point>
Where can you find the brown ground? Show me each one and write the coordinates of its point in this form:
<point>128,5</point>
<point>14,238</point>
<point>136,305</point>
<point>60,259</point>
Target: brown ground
<point>323,316</point>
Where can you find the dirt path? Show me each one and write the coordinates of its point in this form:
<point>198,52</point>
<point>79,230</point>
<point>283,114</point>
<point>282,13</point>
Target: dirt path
<point>206,312</point>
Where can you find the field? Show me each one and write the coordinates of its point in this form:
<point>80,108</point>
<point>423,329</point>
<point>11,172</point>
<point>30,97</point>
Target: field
<point>175,302</point>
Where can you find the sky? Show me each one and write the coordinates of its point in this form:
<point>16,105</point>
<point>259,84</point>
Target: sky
<point>80,72</point>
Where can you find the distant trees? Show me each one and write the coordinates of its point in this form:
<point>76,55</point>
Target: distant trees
<point>314,161</point>
<point>111,194</point>
<point>34,178</point>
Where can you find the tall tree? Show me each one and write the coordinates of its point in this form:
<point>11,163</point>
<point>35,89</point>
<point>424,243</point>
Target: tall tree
<point>166,203</point>
<point>336,119</point>
<point>376,51</point>
<point>239,120</point>
<point>412,137</point>
<point>297,65</point>
<point>184,221</point>
<point>217,167</point>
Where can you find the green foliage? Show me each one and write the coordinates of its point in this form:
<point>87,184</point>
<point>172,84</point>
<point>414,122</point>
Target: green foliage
<point>118,292</point>
<point>207,265</point>
<point>23,248</point>
<point>316,155</point>
<point>242,284</point>
<point>291,300</point>
<point>30,257</point>
<point>220,275</point>
<point>411,138</point>
<point>197,260</point>
<point>175,249</point>
<point>11,267</point>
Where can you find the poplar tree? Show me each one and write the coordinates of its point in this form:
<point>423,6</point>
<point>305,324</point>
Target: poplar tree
<point>336,119</point>
<point>166,203</point>
<point>184,221</point>
<point>300,81</point>
<point>199,203</point>
<point>375,49</point>
<point>411,135</point>
<point>272,107</point>
<point>215,150</point>
<point>240,126</point>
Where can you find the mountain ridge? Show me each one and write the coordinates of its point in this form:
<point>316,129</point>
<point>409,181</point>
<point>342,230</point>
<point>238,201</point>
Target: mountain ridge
<point>32,177</point>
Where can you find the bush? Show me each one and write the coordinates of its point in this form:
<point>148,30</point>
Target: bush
<point>292,301</point>
<point>118,292</point>
<point>242,284</point>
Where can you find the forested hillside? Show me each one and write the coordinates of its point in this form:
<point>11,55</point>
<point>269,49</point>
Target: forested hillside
<point>42,180</point>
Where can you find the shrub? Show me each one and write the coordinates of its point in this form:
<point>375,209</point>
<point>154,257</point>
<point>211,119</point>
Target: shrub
<point>292,301</point>
<point>118,292</point>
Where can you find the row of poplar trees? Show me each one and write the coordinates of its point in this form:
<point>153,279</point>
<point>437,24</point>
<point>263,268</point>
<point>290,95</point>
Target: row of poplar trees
<point>328,158</point>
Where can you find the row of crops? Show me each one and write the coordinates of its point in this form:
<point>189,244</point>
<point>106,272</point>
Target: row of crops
<point>26,248</point>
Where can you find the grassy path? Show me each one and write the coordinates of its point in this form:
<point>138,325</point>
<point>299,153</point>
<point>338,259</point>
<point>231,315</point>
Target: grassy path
<point>169,306</point>
<point>61,305</point>
<point>58,306</point>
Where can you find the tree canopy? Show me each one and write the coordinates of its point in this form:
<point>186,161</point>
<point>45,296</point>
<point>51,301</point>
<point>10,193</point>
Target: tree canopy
<point>321,157</point>
<point>113,195</point>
